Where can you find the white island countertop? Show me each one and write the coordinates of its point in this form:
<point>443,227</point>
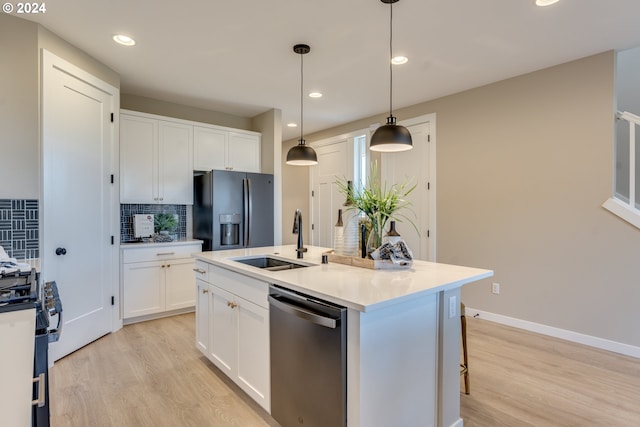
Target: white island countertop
<point>358,288</point>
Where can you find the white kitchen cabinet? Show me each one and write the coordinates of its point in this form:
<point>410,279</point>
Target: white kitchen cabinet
<point>202,316</point>
<point>157,280</point>
<point>238,344</point>
<point>220,148</point>
<point>156,160</point>
<point>202,306</point>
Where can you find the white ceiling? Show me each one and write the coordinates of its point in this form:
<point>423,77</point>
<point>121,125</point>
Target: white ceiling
<point>236,56</point>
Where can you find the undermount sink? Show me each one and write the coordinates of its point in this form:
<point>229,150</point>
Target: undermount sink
<point>270,263</point>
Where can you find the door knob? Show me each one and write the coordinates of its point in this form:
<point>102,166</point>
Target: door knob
<point>61,251</point>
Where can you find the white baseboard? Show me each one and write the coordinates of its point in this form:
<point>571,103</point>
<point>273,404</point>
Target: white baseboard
<point>458,423</point>
<point>601,343</point>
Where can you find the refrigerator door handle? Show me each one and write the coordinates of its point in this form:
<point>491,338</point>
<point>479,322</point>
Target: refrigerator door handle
<point>249,213</point>
<point>245,212</point>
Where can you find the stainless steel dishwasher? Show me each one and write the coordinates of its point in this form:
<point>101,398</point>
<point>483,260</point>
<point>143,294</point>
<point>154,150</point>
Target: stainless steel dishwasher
<point>308,360</point>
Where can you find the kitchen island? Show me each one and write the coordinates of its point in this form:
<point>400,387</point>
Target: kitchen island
<point>403,330</point>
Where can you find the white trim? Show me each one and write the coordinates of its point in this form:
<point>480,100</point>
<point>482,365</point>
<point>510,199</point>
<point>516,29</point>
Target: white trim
<point>458,423</point>
<point>623,210</point>
<point>591,341</point>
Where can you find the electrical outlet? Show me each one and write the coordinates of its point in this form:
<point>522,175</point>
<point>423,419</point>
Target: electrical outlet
<point>453,307</point>
<point>495,288</point>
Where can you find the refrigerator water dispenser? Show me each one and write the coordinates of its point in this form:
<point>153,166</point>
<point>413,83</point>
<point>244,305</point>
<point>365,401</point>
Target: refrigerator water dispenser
<point>230,229</point>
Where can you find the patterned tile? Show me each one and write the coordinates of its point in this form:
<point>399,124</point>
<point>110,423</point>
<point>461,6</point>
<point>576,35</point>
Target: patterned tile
<point>128,210</point>
<point>19,228</point>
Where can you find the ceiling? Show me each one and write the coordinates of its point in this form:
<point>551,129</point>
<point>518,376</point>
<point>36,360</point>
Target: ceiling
<point>236,56</point>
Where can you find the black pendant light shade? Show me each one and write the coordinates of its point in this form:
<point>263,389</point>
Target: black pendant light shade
<point>391,137</point>
<point>301,154</point>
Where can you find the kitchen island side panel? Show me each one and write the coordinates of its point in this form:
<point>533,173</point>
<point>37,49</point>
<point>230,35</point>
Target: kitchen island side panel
<point>392,365</point>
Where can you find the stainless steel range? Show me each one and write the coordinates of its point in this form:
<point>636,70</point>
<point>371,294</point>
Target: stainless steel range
<point>21,297</point>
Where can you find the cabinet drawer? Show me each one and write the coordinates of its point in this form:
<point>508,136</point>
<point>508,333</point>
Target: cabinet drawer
<point>201,270</point>
<point>253,290</point>
<point>159,253</point>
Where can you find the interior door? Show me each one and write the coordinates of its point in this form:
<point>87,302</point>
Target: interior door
<point>79,208</point>
<point>335,160</point>
<point>412,166</point>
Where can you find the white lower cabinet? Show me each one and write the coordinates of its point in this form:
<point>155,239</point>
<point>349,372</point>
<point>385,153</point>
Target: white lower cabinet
<point>202,315</point>
<point>238,326</point>
<point>157,279</point>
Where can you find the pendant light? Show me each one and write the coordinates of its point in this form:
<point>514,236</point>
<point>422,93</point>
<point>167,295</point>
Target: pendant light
<point>301,154</point>
<point>391,136</point>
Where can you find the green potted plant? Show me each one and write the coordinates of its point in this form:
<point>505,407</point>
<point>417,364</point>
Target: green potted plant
<point>165,223</point>
<point>379,202</point>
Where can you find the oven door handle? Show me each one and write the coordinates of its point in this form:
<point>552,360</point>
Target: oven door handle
<point>42,395</point>
<point>54,334</point>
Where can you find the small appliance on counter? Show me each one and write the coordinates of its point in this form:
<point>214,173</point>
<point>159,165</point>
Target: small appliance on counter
<point>143,225</point>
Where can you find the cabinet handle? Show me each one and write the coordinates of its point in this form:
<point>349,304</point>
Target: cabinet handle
<point>168,265</point>
<point>205,291</point>
<point>40,401</point>
<point>165,253</point>
<point>231,304</point>
<point>199,270</point>
<point>162,265</point>
<point>161,198</point>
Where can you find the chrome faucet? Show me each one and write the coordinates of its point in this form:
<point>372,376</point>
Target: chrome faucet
<point>297,228</point>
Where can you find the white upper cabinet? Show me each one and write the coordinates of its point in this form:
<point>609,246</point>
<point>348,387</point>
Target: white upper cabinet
<point>175,161</point>
<point>138,159</point>
<point>209,148</point>
<point>156,161</point>
<point>219,148</point>
<point>243,152</point>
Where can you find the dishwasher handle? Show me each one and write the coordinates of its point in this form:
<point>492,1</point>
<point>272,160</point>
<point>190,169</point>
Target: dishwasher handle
<point>304,314</point>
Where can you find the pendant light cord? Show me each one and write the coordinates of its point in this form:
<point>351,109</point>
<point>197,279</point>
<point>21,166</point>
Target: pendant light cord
<point>301,97</point>
<point>390,58</point>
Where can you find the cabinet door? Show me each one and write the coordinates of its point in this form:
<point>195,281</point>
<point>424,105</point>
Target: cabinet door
<point>209,149</point>
<point>179,276</point>
<point>175,163</point>
<point>222,330</point>
<point>253,352</point>
<point>138,159</point>
<point>144,288</point>
<point>244,152</point>
<point>202,316</point>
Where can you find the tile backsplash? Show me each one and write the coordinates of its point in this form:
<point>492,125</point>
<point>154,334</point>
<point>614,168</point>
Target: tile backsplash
<point>19,224</point>
<point>128,210</point>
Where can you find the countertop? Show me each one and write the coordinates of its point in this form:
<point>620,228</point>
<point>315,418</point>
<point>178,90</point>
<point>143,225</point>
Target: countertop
<point>358,288</point>
<point>178,242</point>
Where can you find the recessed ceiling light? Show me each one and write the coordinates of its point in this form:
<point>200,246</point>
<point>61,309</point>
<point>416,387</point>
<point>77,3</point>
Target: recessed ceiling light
<point>315,95</point>
<point>124,40</point>
<point>546,2</point>
<point>398,60</point>
<point>292,125</point>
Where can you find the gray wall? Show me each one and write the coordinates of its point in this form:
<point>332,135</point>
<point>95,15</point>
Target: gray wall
<point>19,118</point>
<point>523,166</point>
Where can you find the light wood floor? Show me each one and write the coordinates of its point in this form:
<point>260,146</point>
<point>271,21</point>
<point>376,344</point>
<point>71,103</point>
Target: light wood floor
<point>150,374</point>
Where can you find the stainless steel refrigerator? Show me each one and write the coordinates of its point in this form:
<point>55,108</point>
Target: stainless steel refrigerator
<point>233,210</point>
